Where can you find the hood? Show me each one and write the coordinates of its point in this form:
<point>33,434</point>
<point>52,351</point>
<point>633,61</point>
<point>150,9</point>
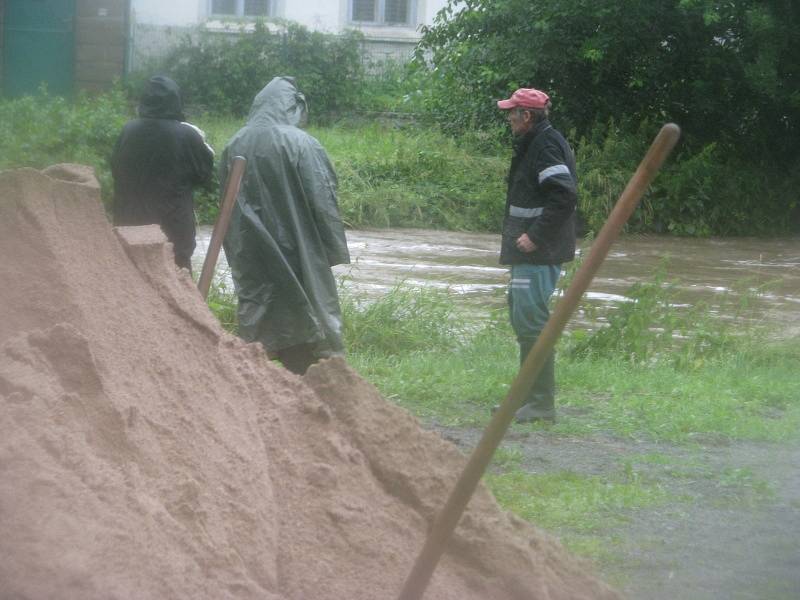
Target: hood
<point>279,103</point>
<point>161,100</point>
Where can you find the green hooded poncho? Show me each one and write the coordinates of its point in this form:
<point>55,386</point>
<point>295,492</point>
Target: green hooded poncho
<point>285,232</point>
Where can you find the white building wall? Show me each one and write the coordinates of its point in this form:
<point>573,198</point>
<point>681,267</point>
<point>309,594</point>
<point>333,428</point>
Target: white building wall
<point>176,13</point>
<point>320,15</point>
<point>158,24</point>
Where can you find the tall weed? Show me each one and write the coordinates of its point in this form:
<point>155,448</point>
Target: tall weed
<point>405,319</point>
<point>656,325</point>
<point>701,191</point>
<point>223,303</point>
<point>413,177</point>
<point>40,130</point>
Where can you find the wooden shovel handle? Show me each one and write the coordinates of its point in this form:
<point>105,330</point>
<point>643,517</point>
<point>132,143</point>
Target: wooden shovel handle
<point>445,523</point>
<point>221,226</point>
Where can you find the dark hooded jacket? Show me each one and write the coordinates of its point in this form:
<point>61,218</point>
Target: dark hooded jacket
<point>157,161</point>
<point>285,232</point>
<point>541,199</point>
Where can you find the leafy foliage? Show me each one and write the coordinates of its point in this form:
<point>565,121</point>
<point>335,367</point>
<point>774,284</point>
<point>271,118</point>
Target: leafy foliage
<point>725,71</point>
<point>223,73</point>
<point>392,87</point>
<point>703,191</point>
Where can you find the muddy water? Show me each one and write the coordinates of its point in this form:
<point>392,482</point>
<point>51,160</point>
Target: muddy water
<point>714,271</point>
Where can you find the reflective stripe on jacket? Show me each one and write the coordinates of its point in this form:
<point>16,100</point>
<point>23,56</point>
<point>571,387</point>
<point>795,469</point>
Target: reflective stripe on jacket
<point>541,199</point>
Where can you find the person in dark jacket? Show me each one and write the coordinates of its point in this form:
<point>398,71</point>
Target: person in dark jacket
<point>157,161</point>
<point>538,231</point>
<point>285,232</point>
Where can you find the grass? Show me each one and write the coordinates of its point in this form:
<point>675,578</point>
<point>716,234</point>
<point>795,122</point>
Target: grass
<point>727,399</point>
<point>722,389</point>
<point>393,176</point>
<point>578,507</point>
<point>42,130</point>
<point>750,392</point>
<point>222,301</point>
<point>413,346</point>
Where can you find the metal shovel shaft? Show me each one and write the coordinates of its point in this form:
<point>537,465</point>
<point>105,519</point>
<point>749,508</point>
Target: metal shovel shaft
<point>445,523</point>
<point>221,226</point>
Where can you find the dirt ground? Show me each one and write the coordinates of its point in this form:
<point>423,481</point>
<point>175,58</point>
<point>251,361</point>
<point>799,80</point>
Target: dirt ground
<point>734,533</point>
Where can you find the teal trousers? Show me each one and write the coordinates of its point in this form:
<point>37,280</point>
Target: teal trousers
<point>528,297</point>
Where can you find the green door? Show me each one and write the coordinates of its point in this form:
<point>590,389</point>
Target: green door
<point>39,46</point>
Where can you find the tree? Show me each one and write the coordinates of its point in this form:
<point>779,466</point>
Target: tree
<point>726,70</point>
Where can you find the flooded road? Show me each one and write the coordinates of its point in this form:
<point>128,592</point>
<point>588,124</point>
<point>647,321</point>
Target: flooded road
<point>714,271</point>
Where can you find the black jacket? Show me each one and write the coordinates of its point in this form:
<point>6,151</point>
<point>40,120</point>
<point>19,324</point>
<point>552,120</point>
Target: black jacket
<point>156,162</point>
<point>541,199</point>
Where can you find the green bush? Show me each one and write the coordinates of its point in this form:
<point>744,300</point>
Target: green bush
<point>724,71</point>
<point>222,73</point>
<point>41,130</point>
<point>699,192</point>
<point>393,87</point>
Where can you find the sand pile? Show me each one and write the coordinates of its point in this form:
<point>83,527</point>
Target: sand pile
<point>145,453</point>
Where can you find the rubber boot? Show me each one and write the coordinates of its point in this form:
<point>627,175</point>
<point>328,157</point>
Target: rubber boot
<point>540,403</point>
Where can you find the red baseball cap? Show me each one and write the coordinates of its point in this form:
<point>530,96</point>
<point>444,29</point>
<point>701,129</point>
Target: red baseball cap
<point>525,98</point>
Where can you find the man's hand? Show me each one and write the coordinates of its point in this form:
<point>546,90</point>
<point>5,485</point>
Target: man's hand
<point>524,244</point>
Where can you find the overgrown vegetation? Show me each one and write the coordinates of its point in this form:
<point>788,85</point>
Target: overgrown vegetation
<point>39,131</point>
<point>388,175</point>
<point>701,191</point>
<point>657,325</point>
<point>222,72</point>
<point>730,175</point>
<point>642,375</point>
<point>725,71</point>
<point>723,384</point>
<point>404,320</point>
<point>409,177</point>
<point>394,176</point>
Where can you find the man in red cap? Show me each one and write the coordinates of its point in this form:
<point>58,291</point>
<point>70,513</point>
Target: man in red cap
<point>538,231</point>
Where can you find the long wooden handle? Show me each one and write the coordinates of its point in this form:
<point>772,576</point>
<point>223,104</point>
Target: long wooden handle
<point>223,221</point>
<point>445,523</point>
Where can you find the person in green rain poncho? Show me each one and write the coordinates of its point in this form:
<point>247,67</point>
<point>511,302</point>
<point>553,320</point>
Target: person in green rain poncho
<point>285,232</point>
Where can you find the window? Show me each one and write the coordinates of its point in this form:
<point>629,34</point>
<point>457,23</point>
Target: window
<point>242,8</point>
<point>381,12</point>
